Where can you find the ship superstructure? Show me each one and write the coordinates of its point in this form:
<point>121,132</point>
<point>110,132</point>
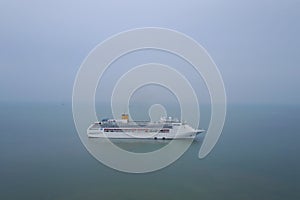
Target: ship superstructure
<point>165,128</point>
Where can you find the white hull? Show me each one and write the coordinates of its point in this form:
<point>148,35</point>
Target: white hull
<point>184,132</point>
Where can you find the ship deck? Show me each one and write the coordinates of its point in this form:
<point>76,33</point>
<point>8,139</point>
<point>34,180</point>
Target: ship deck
<point>97,126</point>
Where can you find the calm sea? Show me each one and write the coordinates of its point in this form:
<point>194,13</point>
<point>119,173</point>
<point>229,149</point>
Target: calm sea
<point>257,157</point>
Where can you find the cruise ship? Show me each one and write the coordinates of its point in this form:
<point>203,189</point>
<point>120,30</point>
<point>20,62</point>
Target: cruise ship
<point>165,128</point>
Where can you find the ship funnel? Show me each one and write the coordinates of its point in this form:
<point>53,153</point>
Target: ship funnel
<point>125,116</point>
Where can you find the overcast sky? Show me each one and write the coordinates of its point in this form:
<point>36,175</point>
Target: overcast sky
<point>255,44</point>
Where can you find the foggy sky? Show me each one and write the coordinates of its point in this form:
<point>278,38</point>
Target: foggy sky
<point>255,44</point>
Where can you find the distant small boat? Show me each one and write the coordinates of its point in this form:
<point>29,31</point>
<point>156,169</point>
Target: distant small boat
<point>165,128</point>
